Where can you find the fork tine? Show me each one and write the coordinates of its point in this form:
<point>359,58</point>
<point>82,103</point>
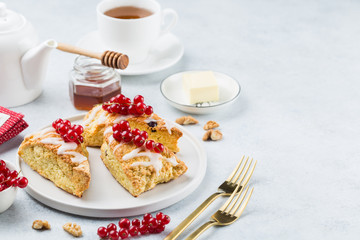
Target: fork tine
<point>230,208</point>
<point>237,212</point>
<point>241,172</point>
<point>249,175</point>
<point>236,169</point>
<point>224,206</point>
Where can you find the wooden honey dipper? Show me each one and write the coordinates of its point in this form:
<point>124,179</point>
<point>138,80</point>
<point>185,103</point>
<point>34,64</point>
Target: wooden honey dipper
<point>108,58</point>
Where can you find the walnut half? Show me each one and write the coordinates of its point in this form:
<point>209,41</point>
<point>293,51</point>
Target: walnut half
<point>186,120</point>
<point>41,224</point>
<point>211,125</point>
<point>73,229</point>
<point>213,135</point>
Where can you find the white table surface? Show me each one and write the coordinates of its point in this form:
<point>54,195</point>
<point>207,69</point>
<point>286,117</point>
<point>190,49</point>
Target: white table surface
<point>298,113</point>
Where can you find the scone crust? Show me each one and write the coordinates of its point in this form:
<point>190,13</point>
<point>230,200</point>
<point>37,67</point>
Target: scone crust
<point>77,172</point>
<point>138,179</point>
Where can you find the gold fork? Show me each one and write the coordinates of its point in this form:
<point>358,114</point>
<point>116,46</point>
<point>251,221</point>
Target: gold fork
<point>227,214</point>
<point>234,181</point>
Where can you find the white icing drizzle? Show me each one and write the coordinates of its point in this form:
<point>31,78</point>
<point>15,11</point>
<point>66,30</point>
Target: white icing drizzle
<point>168,125</point>
<point>92,115</point>
<point>108,130</point>
<point>65,148</point>
<point>102,118</point>
<point>155,158</point>
<point>121,117</point>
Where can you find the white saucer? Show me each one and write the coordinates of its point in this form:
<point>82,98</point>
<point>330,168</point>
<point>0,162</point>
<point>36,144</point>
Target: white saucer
<point>167,51</point>
<point>171,89</point>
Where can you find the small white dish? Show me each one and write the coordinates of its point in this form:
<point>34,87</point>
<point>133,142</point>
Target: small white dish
<point>167,51</point>
<point>7,197</point>
<point>107,198</point>
<point>171,89</point>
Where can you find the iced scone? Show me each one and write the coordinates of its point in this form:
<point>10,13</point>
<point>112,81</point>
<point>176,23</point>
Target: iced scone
<point>136,163</point>
<point>118,109</point>
<point>62,161</point>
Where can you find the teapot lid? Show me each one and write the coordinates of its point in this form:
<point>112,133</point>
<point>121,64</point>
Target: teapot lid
<point>9,20</point>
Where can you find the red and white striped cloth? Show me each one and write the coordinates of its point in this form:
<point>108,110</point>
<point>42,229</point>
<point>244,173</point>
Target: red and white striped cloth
<point>11,124</point>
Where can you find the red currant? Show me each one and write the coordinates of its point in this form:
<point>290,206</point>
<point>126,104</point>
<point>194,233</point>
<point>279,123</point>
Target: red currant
<point>151,230</point>
<point>2,165</point>
<point>124,223</point>
<point>102,232</point>
<point>126,136</point>
<point>62,128</point>
<point>149,110</point>
<point>166,219</point>
<point>115,108</point>
<point>56,122</point>
<point>6,172</point>
<point>159,216</point>
<point>124,110</point>
<point>78,129</point>
<point>144,134</point>
<point>13,182</point>
<point>114,235</point>
<point>112,99</point>
<point>80,139</point>
<point>133,230</point>
<point>124,126</point>
<point>72,135</point>
<point>135,222</point>
<point>67,122</point>
<point>139,140</point>
<point>132,110</point>
<point>22,182</point>
<point>140,107</point>
<point>105,106</point>
<point>120,98</point>
<point>111,227</point>
<point>117,135</point>
<point>138,99</point>
<point>147,217</point>
<point>150,144</point>
<point>127,101</point>
<point>153,223</point>
<point>160,228</point>
<point>2,177</point>
<point>13,174</point>
<point>143,229</point>
<point>135,132</point>
<point>66,137</point>
<point>159,148</point>
<point>123,233</point>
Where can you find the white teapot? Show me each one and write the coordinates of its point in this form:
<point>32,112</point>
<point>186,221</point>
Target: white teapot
<point>23,61</point>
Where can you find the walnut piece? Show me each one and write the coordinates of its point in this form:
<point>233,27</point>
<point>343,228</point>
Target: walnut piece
<point>186,120</point>
<point>213,135</point>
<point>41,224</point>
<point>211,125</point>
<point>73,229</point>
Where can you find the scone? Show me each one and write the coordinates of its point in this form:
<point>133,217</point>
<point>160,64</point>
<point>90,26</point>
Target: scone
<point>64,163</point>
<point>159,130</point>
<point>136,168</point>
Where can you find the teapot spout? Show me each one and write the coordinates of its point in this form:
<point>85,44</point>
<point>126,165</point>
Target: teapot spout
<point>34,64</point>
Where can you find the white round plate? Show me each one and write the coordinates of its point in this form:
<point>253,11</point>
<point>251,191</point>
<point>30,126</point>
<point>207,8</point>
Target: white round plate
<point>167,51</point>
<point>107,198</point>
<point>171,89</point>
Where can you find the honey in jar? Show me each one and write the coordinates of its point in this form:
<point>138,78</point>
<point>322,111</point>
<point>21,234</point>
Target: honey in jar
<point>92,83</point>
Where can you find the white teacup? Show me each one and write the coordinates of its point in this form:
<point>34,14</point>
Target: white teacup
<point>133,37</point>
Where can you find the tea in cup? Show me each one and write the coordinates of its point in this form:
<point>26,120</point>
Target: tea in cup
<point>132,26</point>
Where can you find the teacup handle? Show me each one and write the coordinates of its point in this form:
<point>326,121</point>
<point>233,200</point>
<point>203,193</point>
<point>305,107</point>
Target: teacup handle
<point>168,12</point>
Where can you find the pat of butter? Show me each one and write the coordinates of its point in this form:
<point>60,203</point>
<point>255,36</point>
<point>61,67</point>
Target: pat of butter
<point>201,87</point>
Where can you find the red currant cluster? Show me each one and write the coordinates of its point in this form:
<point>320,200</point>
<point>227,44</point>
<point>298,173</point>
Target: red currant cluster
<point>123,106</point>
<point>123,132</point>
<point>10,178</point>
<point>68,132</point>
<point>149,224</point>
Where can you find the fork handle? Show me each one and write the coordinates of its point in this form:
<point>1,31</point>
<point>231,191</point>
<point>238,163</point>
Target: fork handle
<point>187,221</point>
<point>200,230</point>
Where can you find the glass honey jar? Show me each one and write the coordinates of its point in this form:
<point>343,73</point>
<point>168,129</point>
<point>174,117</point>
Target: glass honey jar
<point>92,83</point>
